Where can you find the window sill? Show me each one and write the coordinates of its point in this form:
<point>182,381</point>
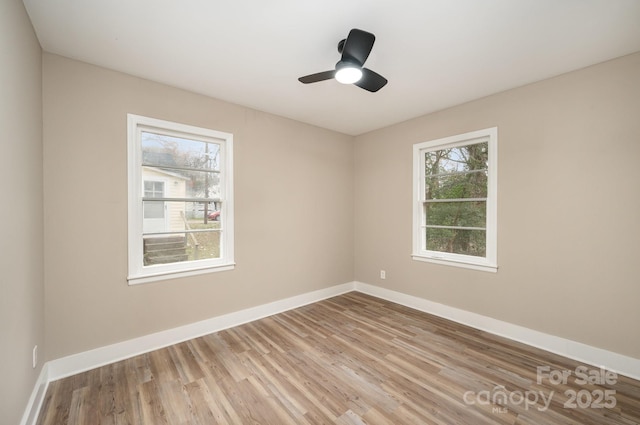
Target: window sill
<point>449,262</point>
<point>154,277</point>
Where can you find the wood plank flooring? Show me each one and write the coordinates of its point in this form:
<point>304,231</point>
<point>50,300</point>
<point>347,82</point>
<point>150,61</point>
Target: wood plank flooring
<point>351,359</point>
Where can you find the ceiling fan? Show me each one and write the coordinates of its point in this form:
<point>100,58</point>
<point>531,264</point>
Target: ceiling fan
<point>350,69</point>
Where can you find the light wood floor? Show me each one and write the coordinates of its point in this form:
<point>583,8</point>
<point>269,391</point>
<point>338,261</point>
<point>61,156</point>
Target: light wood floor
<point>352,359</point>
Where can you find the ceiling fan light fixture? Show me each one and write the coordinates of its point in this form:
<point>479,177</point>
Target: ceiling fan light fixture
<point>348,75</point>
<point>354,51</point>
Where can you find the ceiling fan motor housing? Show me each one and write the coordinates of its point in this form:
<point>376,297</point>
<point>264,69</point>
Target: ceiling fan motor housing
<point>347,64</point>
<point>341,45</point>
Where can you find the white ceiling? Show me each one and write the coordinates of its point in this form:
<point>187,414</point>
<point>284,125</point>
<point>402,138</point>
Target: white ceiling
<point>435,53</point>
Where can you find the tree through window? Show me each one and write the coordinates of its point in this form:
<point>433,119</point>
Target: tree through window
<point>455,199</point>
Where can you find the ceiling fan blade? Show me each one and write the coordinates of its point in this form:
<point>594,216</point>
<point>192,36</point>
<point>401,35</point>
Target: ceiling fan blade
<point>371,81</point>
<point>358,46</point>
<point>320,76</point>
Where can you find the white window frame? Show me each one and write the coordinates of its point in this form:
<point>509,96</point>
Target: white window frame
<point>419,252</point>
<point>138,272</point>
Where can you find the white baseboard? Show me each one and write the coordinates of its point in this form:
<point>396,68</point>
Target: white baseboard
<point>87,360</point>
<point>34,405</point>
<point>623,365</point>
<point>80,362</point>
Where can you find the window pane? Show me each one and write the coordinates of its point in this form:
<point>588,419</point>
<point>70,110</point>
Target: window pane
<point>452,160</point>
<point>181,247</point>
<point>202,185</point>
<point>201,246</point>
<point>180,183</point>
<point>457,241</point>
<point>201,214</point>
<point>163,150</point>
<point>457,186</point>
<point>460,214</point>
<point>153,209</point>
<point>153,189</point>
<point>180,216</point>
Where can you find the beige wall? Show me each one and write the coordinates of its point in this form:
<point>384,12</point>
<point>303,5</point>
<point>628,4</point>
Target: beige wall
<point>21,286</point>
<point>293,199</point>
<point>568,207</point>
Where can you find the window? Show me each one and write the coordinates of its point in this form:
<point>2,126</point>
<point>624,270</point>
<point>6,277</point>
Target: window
<point>153,209</point>
<point>180,200</point>
<point>454,193</point>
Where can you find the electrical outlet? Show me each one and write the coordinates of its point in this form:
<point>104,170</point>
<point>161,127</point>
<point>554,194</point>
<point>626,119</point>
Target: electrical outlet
<point>383,274</point>
<point>35,356</point>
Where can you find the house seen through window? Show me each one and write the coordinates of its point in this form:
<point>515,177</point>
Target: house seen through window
<point>180,212</point>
